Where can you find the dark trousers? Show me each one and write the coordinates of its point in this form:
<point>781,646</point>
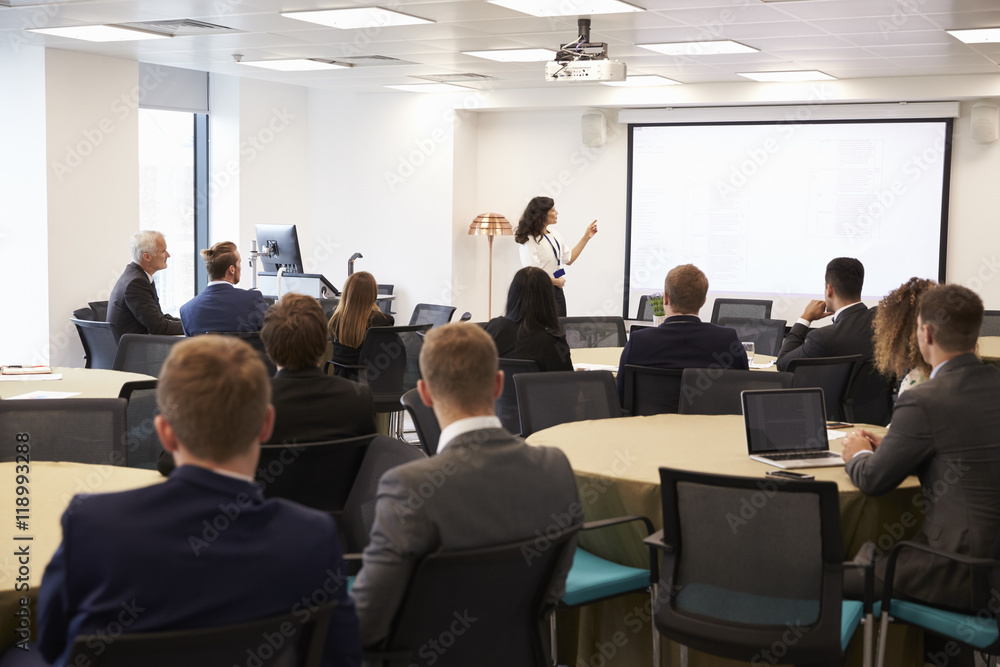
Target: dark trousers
<point>560,301</point>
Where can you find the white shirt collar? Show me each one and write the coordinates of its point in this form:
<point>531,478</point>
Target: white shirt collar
<point>937,369</point>
<point>234,475</point>
<point>148,275</point>
<point>220,282</point>
<point>836,315</point>
<point>463,426</point>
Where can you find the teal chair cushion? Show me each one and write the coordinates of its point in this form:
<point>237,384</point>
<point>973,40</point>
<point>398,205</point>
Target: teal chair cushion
<point>851,612</point>
<point>592,578</point>
<point>350,584</point>
<point>975,631</point>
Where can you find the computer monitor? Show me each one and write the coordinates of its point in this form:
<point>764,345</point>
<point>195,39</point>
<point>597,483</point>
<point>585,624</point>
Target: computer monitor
<point>283,241</point>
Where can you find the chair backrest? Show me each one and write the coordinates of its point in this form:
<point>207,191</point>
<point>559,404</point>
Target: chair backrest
<point>144,444</point>
<point>79,430</point>
<point>868,399</point>
<point>991,323</point>
<point>506,405</point>
<point>466,316</point>
<point>385,306</point>
<point>645,309</point>
<point>143,353</point>
<point>593,331</point>
<point>424,421</point>
<point>496,594</point>
<point>831,374</point>
<point>651,391</point>
<point>254,340</point>
<point>766,335</point>
<point>359,511</point>
<point>100,342</point>
<point>549,399</point>
<point>716,391</point>
<point>391,358</point>
<point>302,639</point>
<point>431,313</point>
<point>638,327</point>
<point>100,309</point>
<point>753,308</point>
<point>328,305</point>
<point>745,577</point>
<point>314,474</point>
<point>84,314</point>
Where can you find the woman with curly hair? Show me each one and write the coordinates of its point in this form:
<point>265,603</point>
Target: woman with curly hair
<point>897,354</point>
<point>545,248</point>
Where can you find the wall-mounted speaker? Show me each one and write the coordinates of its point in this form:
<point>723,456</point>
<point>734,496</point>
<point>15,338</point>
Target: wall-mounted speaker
<point>594,126</point>
<point>985,122</point>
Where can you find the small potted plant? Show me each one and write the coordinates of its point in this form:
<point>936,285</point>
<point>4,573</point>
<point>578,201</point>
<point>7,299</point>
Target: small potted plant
<point>656,302</point>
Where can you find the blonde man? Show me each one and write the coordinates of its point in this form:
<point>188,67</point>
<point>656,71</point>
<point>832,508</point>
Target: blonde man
<point>134,306</point>
<point>222,306</point>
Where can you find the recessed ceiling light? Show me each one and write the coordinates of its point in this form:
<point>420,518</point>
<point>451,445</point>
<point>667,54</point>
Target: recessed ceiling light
<point>100,33</point>
<point>295,64</point>
<point>977,35</point>
<point>699,48</point>
<point>643,81</point>
<point>514,55</point>
<point>428,87</point>
<point>357,17</point>
<point>563,8</point>
<point>800,75</point>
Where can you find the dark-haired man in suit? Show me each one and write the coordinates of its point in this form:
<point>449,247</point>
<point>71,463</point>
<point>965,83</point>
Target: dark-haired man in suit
<point>134,306</point>
<point>223,306</point>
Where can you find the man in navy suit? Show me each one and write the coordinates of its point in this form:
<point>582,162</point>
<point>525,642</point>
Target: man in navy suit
<point>683,340</point>
<point>204,548</point>
<point>222,306</point>
<point>134,306</point>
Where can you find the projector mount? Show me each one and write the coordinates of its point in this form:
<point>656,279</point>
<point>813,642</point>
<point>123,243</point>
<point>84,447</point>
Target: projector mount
<point>582,48</point>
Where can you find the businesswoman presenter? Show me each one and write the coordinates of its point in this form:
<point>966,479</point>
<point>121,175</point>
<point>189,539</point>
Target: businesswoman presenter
<point>545,248</point>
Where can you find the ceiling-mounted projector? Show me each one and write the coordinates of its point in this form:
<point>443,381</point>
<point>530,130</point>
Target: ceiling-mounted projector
<point>583,60</point>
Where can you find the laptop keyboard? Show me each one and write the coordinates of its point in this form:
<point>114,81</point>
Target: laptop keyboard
<point>802,455</point>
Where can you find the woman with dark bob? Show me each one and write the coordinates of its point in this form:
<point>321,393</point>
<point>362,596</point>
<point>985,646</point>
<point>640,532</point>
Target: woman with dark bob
<point>357,311</point>
<point>897,354</point>
<point>545,248</point>
<point>530,328</point>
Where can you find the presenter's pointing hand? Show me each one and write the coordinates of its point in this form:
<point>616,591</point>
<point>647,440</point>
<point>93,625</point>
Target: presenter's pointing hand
<point>591,230</point>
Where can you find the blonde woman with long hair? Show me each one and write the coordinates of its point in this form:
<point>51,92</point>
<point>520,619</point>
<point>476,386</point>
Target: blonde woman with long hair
<point>357,311</point>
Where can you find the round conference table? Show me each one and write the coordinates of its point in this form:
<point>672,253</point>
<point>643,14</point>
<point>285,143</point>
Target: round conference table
<point>85,382</point>
<point>616,464</point>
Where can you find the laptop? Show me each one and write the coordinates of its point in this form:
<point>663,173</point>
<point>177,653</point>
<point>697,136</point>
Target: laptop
<point>786,428</point>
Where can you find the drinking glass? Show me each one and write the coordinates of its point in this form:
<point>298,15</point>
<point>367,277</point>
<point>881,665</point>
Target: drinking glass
<point>749,347</point>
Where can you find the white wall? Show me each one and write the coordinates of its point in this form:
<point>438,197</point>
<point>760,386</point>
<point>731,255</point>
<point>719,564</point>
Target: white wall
<point>92,150</point>
<point>23,230</point>
<point>224,164</point>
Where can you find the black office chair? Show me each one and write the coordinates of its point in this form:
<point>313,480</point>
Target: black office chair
<point>431,313</point>
<point>868,399</point>
<point>314,474</point>
<point>742,584</point>
<point>716,391</point>
<point>143,353</point>
<point>144,444</point>
<point>466,316</point>
<point>79,430</point>
<point>424,421</point>
<point>506,405</point>
<point>385,306</point>
<point>759,309</point>
<point>645,310</point>
<point>100,342</point>
<point>831,374</point>
<point>328,305</point>
<point>84,314</point>
<point>549,399</point>
<point>497,588</point>
<point>638,327</point>
<point>651,391</point>
<point>766,335</point>
<point>593,331</point>
<point>991,323</point>
<point>100,309</point>
<point>253,339</point>
<point>302,639</point>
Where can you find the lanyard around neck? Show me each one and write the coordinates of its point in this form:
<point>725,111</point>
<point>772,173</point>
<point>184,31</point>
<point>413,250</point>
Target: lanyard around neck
<point>554,251</point>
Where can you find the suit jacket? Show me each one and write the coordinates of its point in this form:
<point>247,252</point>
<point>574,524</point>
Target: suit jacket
<point>548,348</point>
<point>223,307</point>
<point>134,307</point>
<point>199,550</point>
<point>851,334</point>
<point>310,407</point>
<point>682,341</point>
<point>498,490</point>
<point>946,431</point>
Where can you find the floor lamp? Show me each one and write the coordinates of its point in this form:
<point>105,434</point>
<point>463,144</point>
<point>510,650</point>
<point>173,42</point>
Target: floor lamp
<point>490,224</point>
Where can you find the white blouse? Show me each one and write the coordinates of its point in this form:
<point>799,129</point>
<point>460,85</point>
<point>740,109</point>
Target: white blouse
<point>544,252</point>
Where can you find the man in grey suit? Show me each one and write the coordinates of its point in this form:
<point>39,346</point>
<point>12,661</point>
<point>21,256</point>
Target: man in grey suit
<point>946,431</point>
<point>484,487</point>
<point>134,306</point>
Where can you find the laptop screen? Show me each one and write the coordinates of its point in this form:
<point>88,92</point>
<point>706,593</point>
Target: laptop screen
<point>785,420</point>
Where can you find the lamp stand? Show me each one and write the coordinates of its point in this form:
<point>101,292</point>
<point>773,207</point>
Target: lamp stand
<point>490,296</point>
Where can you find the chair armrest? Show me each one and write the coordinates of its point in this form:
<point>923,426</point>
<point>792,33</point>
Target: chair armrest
<point>890,570</point>
<point>337,364</point>
<point>864,562</point>
<point>654,567</point>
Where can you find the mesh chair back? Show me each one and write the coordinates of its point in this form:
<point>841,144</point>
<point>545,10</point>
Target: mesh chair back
<point>144,353</point>
<point>144,445</point>
<point>759,309</point>
<point>84,314</point>
<point>431,313</point>
<point>254,340</point>
<point>314,474</point>
<point>506,405</point>
<point>385,306</point>
<point>211,647</point>
<point>593,331</point>
<point>766,335</point>
<point>651,391</point>
<point>751,560</point>
<point>100,309</point>
<point>424,421</point>
<point>991,323</point>
<point>716,391</point>
<point>497,588</point>
<point>359,510</point>
<point>645,309</point>
<point>328,305</point>
<point>79,430</point>
<point>100,342</point>
<point>831,374</point>
<point>549,399</point>
<point>390,357</point>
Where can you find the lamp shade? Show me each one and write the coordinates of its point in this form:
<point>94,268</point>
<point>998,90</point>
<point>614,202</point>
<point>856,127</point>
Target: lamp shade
<point>490,224</point>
